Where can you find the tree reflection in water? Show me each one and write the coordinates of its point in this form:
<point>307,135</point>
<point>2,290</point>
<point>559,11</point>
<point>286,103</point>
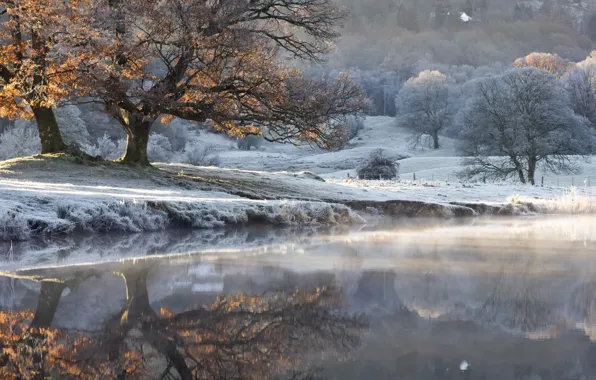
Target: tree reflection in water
<point>240,336</point>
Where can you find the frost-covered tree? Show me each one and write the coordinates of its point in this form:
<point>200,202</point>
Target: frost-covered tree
<point>424,105</point>
<point>519,121</point>
<point>545,61</point>
<point>217,62</point>
<point>581,85</point>
<point>159,148</point>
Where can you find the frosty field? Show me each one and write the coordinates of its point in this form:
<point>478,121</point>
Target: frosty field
<point>48,195</point>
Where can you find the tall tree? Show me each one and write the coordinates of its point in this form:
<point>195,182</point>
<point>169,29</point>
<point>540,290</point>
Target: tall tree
<point>442,8</point>
<point>468,8</point>
<point>407,18</point>
<point>547,8</point>
<point>520,121</point>
<point>31,73</point>
<point>224,63</point>
<point>581,85</point>
<point>552,63</point>
<point>424,106</point>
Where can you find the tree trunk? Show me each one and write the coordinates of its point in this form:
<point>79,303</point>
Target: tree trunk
<point>137,296</point>
<point>522,178</point>
<point>532,170</point>
<point>49,133</point>
<point>137,138</point>
<point>49,297</point>
<point>436,141</point>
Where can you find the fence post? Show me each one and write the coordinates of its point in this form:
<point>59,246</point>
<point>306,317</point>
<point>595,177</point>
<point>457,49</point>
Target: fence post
<point>414,176</point>
<point>572,181</point>
<point>432,177</point>
<point>542,182</point>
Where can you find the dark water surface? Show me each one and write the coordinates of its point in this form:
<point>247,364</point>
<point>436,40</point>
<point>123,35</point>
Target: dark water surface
<point>477,299</point>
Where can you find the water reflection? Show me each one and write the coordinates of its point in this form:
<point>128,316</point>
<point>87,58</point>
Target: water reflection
<point>269,334</point>
<point>513,299</point>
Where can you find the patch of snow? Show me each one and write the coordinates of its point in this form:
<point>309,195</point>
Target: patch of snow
<point>208,287</point>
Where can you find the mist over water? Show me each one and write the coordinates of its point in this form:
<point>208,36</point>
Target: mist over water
<point>513,298</point>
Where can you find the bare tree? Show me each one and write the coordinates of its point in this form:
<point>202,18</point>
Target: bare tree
<point>519,121</point>
<point>424,106</point>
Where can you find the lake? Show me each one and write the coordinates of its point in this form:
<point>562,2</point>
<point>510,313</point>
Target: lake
<point>415,299</point>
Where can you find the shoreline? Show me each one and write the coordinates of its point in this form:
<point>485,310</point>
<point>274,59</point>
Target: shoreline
<point>59,195</point>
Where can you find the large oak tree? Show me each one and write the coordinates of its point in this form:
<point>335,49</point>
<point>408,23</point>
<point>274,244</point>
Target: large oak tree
<point>34,75</point>
<point>224,63</point>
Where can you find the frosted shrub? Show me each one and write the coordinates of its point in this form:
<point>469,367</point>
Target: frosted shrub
<point>72,127</point>
<point>159,148</point>
<point>379,166</point>
<point>13,226</point>
<point>178,133</point>
<point>106,148</point>
<point>199,154</point>
<point>22,140</point>
<point>354,124</point>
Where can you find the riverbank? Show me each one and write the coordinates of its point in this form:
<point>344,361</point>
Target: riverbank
<point>57,194</point>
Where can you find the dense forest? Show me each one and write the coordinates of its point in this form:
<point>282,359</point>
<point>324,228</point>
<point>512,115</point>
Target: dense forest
<point>386,42</point>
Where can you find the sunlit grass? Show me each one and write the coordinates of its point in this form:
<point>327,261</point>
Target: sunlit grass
<point>571,202</point>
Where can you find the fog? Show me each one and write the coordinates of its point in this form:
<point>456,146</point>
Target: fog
<point>386,42</point>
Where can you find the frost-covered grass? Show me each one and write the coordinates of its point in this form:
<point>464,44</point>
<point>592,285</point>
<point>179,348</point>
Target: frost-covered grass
<point>45,196</point>
<point>571,202</point>
<point>62,216</point>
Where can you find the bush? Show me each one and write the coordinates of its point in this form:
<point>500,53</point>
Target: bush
<point>199,154</point>
<point>250,141</point>
<point>379,166</point>
<point>72,127</point>
<point>106,148</point>
<point>159,148</point>
<point>20,140</point>
<point>178,133</point>
<point>354,125</point>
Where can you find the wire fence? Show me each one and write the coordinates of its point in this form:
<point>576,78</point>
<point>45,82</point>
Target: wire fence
<point>576,180</point>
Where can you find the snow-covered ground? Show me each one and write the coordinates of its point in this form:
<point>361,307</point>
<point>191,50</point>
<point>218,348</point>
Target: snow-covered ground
<point>41,195</point>
<point>425,174</point>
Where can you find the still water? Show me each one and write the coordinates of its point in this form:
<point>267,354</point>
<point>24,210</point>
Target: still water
<point>419,299</point>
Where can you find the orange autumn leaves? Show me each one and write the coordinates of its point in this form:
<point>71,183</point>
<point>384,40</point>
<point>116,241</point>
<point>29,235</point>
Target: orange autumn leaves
<point>227,64</point>
<point>42,353</point>
<point>34,68</point>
